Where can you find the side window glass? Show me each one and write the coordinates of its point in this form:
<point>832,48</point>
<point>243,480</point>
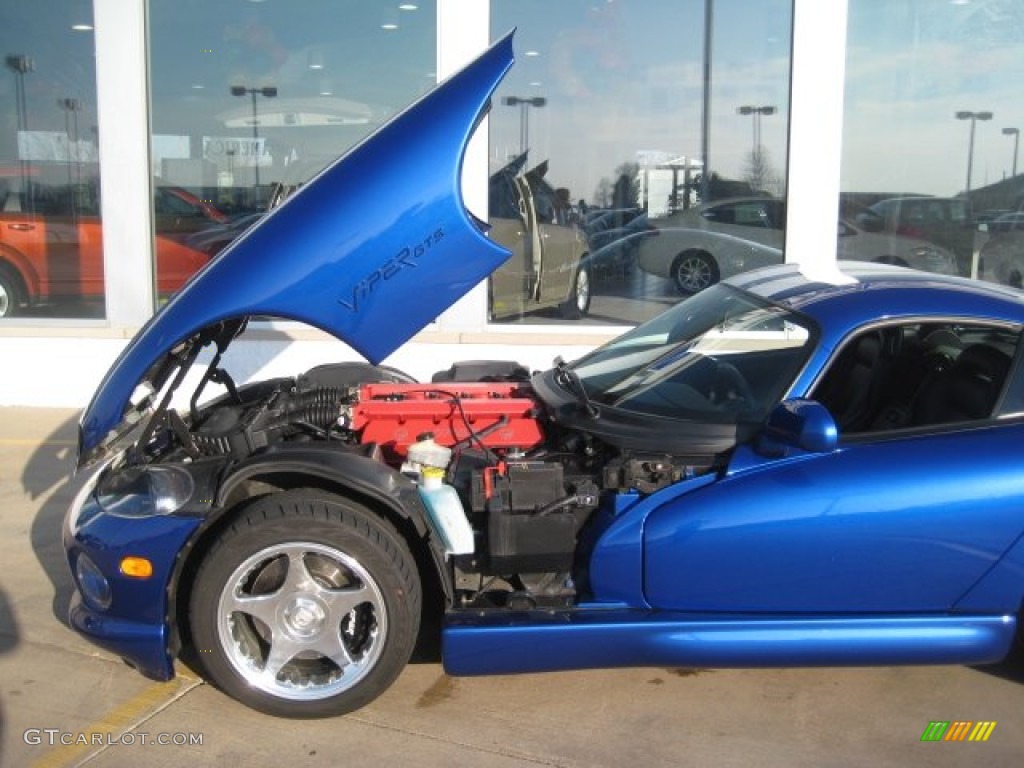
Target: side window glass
<point>918,375</point>
<point>173,205</point>
<point>1013,401</point>
<point>958,213</point>
<point>721,213</point>
<point>543,201</point>
<point>504,200</point>
<point>749,215</point>
<point>936,213</point>
<point>161,205</point>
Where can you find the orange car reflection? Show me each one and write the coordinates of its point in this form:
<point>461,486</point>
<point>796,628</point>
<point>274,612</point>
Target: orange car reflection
<point>51,248</point>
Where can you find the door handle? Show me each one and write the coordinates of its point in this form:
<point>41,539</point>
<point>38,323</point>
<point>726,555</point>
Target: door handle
<point>21,227</point>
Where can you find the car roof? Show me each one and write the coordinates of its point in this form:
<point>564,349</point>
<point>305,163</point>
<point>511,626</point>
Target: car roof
<point>878,291</point>
<point>742,199</point>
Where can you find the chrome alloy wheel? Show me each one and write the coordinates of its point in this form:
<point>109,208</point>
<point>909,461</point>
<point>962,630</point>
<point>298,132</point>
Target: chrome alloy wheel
<point>693,272</point>
<point>583,291</point>
<point>301,621</point>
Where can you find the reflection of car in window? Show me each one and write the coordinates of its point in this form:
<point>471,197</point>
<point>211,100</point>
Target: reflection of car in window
<point>51,242</point>
<point>1007,222</point>
<point>698,247</point>
<point>548,269</point>
<point>944,221</point>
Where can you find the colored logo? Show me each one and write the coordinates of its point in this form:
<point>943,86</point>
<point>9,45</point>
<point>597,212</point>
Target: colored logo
<point>958,730</point>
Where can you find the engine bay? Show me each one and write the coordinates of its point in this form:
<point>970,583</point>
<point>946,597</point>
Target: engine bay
<point>519,487</point>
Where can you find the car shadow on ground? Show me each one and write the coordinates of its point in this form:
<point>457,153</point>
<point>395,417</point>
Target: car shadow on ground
<point>49,470</point>
<point>9,638</point>
<point>1012,667</point>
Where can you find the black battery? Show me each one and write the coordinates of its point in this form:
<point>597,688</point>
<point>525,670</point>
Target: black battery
<point>521,537</point>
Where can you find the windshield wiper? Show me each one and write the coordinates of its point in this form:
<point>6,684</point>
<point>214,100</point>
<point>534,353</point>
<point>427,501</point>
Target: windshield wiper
<point>568,378</point>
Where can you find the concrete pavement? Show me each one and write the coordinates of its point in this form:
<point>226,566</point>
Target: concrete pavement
<point>55,687</point>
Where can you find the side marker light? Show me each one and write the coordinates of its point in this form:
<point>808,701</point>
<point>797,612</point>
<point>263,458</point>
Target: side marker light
<point>136,567</point>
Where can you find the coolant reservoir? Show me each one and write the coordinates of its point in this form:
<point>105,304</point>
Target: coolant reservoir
<point>446,511</point>
<point>428,460</point>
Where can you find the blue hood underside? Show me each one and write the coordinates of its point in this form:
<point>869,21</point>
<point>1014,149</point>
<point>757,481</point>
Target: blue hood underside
<point>371,250</point>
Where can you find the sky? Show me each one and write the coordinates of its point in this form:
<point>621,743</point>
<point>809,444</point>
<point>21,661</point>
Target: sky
<point>622,76</point>
<point>911,65</point>
<point>626,76</point>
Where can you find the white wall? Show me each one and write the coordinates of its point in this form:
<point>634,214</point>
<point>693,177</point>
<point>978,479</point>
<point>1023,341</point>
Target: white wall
<point>62,371</point>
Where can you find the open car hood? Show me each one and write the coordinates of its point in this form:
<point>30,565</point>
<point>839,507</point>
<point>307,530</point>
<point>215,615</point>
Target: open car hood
<point>371,250</point>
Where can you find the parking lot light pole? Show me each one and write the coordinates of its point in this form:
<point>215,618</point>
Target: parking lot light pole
<point>21,65</point>
<point>267,92</point>
<point>524,116</point>
<point>1015,132</point>
<point>973,117</point>
<point>756,113</point>
<point>71,108</point>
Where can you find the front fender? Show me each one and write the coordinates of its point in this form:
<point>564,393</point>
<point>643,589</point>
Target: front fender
<point>25,269</point>
<point>351,472</point>
<point>617,561</point>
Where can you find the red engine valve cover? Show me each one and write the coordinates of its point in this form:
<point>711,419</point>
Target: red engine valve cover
<point>395,415</point>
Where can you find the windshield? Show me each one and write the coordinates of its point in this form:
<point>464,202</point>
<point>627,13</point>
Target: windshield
<point>722,355</point>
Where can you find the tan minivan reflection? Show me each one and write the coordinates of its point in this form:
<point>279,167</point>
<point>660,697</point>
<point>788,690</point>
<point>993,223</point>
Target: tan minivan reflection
<point>547,268</point>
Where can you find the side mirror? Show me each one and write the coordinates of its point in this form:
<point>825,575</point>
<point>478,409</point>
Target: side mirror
<point>799,424</point>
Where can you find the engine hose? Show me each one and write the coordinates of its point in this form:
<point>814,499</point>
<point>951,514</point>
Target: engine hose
<point>320,407</point>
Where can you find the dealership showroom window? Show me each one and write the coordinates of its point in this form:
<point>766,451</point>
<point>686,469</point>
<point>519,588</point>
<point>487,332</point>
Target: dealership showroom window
<point>638,151</point>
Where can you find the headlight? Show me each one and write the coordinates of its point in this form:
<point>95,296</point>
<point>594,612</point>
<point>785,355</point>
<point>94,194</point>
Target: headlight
<point>145,491</point>
<point>93,584</point>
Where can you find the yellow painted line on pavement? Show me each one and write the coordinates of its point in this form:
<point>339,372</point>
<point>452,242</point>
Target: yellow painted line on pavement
<point>125,717</point>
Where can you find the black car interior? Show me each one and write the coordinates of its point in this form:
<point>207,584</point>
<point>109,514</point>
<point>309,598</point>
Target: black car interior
<point>918,375</point>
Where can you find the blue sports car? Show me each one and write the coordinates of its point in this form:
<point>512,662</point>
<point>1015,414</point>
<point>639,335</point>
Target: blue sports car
<point>776,471</point>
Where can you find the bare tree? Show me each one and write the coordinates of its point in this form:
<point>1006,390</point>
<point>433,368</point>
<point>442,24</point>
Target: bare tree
<point>626,193</point>
<point>759,173</point>
<point>603,193</point>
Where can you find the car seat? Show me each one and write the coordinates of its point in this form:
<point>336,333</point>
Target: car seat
<point>967,390</point>
<point>852,389</point>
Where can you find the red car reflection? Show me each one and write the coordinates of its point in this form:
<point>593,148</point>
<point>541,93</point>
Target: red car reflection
<point>51,247</point>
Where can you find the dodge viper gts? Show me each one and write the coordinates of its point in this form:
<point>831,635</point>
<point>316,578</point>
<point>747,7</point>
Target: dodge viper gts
<point>776,471</point>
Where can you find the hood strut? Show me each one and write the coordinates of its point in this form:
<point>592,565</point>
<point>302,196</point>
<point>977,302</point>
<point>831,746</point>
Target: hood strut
<point>188,356</point>
<point>218,376</point>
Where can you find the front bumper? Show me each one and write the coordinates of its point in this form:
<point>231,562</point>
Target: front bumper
<point>137,623</point>
<point>141,645</point>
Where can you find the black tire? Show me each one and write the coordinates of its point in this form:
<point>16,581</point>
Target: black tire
<point>578,303</point>
<point>12,296</point>
<point>319,588</point>
<point>693,271</point>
